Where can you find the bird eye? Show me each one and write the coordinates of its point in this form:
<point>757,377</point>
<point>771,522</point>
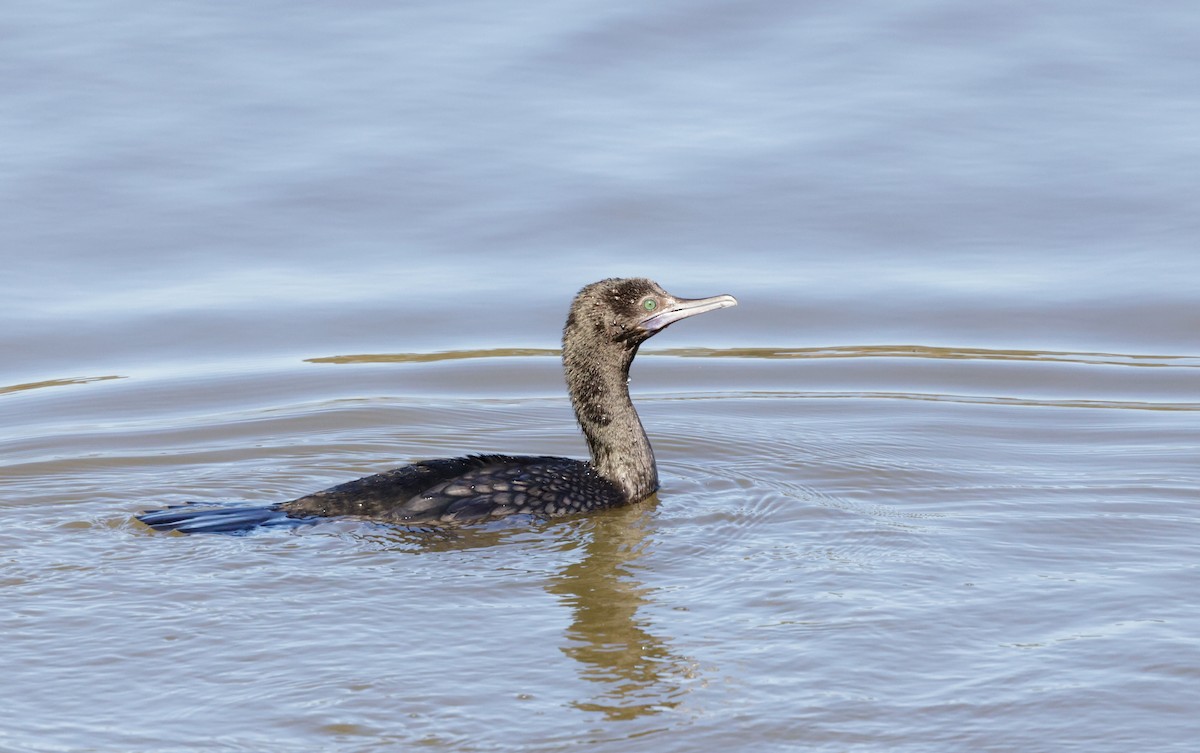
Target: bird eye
<point>649,304</point>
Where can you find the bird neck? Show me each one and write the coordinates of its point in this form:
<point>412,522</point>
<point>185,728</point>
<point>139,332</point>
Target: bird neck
<point>598,382</point>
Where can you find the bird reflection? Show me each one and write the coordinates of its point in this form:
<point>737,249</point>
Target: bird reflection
<point>636,671</point>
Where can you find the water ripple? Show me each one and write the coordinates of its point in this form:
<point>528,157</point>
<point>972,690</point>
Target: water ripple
<point>946,398</point>
<point>799,353</point>
<point>56,383</point>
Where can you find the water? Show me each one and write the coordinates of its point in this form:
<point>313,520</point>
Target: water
<point>932,486</point>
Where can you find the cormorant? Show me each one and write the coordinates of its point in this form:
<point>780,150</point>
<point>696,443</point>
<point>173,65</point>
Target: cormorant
<point>607,323</point>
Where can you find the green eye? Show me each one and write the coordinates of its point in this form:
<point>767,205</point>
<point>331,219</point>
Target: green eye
<point>649,304</point>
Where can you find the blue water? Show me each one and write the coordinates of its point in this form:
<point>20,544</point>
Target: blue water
<point>933,486</point>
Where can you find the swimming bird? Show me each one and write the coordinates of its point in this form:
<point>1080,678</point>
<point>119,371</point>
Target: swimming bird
<point>607,323</point>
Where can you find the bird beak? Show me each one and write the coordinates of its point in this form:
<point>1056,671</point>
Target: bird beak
<point>682,308</point>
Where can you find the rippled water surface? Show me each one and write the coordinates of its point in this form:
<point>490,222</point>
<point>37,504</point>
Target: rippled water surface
<point>934,485</point>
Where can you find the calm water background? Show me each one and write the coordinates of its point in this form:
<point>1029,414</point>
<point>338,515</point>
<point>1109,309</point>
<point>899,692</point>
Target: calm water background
<point>933,486</point>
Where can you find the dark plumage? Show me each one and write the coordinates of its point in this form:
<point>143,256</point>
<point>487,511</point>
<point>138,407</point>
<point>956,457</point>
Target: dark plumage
<point>607,323</point>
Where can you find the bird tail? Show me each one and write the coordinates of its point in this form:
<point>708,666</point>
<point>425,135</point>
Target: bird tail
<point>189,518</point>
